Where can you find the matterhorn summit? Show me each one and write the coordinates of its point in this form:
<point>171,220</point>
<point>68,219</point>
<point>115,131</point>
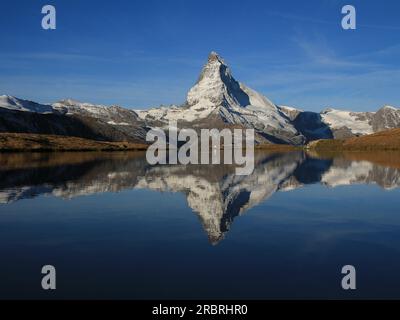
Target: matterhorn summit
<point>218,99</point>
<point>216,86</point>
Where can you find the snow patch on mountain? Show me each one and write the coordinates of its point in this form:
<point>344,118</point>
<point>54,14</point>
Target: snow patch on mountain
<point>113,115</point>
<point>113,123</point>
<point>358,123</point>
<point>13,103</point>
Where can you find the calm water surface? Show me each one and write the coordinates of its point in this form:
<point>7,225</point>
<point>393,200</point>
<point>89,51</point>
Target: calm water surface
<point>116,227</point>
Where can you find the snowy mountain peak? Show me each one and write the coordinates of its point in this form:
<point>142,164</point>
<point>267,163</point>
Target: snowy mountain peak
<point>215,84</point>
<point>387,107</point>
<point>13,103</point>
<point>218,97</point>
<point>213,56</point>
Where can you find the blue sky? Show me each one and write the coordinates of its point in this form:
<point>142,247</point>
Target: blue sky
<point>146,53</point>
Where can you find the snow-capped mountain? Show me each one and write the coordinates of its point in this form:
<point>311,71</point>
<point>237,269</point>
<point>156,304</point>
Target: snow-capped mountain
<point>13,103</point>
<point>72,118</point>
<point>218,97</point>
<point>340,124</point>
<point>113,115</point>
<point>357,123</point>
<point>344,124</point>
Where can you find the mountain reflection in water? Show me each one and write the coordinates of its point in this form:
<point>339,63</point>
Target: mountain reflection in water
<point>213,192</point>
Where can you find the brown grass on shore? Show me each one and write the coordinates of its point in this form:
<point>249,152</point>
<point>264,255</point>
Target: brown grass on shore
<point>384,140</point>
<point>20,142</point>
<point>277,147</point>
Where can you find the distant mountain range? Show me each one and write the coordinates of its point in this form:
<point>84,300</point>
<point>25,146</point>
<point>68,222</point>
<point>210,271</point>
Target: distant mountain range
<point>216,100</point>
<point>71,118</point>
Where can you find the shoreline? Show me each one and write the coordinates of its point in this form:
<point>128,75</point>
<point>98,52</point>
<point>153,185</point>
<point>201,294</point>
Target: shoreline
<point>28,142</point>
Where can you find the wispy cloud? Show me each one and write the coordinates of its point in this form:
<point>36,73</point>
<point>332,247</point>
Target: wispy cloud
<point>309,20</point>
<point>320,53</point>
<point>323,77</point>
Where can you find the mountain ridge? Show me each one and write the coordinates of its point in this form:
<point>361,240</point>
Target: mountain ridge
<point>217,99</point>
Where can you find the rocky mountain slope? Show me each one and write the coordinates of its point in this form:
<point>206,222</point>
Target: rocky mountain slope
<point>71,118</point>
